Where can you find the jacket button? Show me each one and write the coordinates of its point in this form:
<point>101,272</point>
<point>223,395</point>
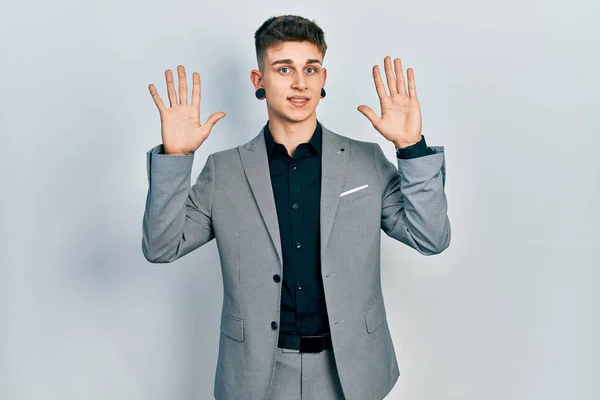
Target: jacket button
<point>273,324</point>
<point>276,278</point>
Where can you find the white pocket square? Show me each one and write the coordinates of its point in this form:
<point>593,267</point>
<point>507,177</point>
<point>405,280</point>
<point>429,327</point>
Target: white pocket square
<point>354,190</point>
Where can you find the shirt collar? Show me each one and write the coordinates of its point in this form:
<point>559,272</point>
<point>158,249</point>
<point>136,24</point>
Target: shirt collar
<point>316,139</point>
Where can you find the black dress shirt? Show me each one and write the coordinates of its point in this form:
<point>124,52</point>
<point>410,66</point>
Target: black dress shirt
<point>296,183</point>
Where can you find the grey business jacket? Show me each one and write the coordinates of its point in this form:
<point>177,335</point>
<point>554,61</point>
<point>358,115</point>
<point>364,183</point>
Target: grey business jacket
<point>362,193</point>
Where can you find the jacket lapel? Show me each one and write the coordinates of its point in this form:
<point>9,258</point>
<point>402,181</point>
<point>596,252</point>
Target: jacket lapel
<point>334,163</point>
<point>256,167</point>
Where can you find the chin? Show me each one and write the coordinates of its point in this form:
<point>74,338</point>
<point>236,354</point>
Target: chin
<point>288,114</point>
<point>298,115</point>
<point>298,118</point>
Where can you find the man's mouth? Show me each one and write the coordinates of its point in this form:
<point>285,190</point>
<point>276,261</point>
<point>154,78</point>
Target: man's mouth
<point>298,100</point>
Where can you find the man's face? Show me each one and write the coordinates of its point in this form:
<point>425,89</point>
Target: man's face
<point>292,69</point>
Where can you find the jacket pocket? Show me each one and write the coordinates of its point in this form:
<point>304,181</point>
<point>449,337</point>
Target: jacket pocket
<point>350,196</point>
<point>375,317</point>
<point>232,327</point>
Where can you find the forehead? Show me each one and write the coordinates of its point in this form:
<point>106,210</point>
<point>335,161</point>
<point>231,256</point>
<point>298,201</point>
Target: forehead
<point>299,52</point>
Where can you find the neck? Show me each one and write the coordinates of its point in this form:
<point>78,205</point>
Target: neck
<point>291,134</point>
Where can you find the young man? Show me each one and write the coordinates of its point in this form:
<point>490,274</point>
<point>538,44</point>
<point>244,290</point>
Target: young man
<point>297,214</point>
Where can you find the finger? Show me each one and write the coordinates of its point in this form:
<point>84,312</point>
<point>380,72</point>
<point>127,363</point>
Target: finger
<point>196,91</point>
<point>171,88</point>
<point>157,100</point>
<point>182,84</point>
<point>379,87</point>
<point>212,120</point>
<point>400,77</point>
<point>369,113</point>
<point>391,79</point>
<point>412,86</point>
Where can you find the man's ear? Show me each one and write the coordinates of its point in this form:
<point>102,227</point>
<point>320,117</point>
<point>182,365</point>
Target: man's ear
<point>324,75</point>
<point>256,78</point>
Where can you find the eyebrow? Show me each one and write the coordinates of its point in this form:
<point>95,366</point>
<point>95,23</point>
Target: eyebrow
<point>290,61</point>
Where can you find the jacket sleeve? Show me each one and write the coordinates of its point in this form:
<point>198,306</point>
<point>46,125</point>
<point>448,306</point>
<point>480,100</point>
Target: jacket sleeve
<point>416,150</point>
<point>177,219</point>
<point>413,204</point>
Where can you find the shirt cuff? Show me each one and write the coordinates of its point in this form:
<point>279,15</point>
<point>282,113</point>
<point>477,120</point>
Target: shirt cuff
<point>419,149</point>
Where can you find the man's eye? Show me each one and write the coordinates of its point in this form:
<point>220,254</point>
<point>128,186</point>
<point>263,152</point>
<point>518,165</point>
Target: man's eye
<point>314,69</point>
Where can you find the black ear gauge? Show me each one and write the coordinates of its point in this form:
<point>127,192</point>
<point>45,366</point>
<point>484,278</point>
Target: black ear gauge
<point>260,93</point>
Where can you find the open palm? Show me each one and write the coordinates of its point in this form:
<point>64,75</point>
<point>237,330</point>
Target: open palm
<point>181,130</point>
<point>401,119</point>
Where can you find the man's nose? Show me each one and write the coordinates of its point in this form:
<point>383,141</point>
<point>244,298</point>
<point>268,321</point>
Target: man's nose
<point>300,82</point>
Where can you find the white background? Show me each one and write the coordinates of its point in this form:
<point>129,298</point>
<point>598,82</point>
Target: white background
<point>509,311</point>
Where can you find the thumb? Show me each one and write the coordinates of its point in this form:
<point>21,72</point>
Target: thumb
<point>369,113</point>
<point>212,120</point>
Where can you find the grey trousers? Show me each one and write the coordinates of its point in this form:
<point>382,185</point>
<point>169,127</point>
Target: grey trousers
<point>305,376</point>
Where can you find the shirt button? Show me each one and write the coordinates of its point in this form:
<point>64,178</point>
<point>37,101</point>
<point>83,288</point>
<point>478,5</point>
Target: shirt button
<point>299,287</point>
<point>298,245</point>
<point>276,278</point>
<point>301,327</point>
<point>294,168</point>
<point>273,325</point>
<point>295,206</point>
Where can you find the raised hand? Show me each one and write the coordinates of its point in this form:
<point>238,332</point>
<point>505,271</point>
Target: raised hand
<point>181,130</point>
<point>400,120</point>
